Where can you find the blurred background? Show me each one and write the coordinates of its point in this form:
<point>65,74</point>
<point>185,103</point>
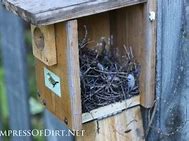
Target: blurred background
<point>19,107</point>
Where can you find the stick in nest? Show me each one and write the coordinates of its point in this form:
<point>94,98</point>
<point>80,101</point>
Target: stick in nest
<point>103,68</point>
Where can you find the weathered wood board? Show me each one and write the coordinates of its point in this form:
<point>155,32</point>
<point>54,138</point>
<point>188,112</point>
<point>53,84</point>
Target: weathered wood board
<point>49,12</point>
<point>67,106</point>
<point>122,127</point>
<point>43,42</point>
<point>171,120</point>
<point>14,60</point>
<point>139,34</point>
<point>111,109</point>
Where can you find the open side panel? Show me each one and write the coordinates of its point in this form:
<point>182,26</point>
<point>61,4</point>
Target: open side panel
<point>131,27</point>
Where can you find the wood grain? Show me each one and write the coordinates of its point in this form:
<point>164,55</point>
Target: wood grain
<point>74,73</point>
<point>122,127</point>
<point>43,42</point>
<point>68,106</point>
<point>110,109</point>
<point>97,27</point>
<point>147,98</point>
<point>42,12</point>
<point>140,35</point>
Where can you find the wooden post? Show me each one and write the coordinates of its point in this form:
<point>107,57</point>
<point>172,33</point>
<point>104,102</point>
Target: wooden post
<point>14,60</point>
<point>52,123</point>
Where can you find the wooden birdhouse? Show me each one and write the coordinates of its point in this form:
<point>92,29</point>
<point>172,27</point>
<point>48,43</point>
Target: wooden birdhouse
<point>59,27</point>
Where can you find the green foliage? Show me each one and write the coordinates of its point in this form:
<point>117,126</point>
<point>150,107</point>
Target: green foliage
<point>3,99</point>
<point>28,39</point>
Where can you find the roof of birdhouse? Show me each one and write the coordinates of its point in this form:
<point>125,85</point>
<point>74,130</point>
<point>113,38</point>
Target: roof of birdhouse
<point>44,12</point>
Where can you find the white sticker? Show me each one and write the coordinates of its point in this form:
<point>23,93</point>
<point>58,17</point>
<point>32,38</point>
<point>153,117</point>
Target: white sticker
<point>52,81</point>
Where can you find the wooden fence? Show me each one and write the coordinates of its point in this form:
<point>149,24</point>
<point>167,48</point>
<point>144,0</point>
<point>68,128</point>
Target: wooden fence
<point>172,86</point>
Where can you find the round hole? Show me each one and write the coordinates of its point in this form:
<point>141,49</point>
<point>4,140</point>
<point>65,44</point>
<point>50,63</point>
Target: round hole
<point>38,38</point>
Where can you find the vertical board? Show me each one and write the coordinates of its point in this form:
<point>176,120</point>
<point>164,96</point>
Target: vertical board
<point>148,96</point>
<point>171,121</point>
<point>68,106</point>
<point>131,27</point>
<point>74,73</point>
<point>14,60</point>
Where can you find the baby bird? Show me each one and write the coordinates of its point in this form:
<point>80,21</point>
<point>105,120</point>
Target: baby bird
<point>131,81</point>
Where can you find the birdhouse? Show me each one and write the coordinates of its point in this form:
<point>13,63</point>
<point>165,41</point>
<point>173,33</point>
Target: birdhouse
<point>63,32</point>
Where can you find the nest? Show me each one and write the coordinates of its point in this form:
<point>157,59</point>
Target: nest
<point>105,78</point>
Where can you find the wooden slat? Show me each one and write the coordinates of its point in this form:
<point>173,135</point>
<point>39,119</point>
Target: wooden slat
<point>111,109</point>
<point>126,126</point>
<point>74,73</point>
<point>148,96</point>
<point>49,12</point>
<point>68,106</point>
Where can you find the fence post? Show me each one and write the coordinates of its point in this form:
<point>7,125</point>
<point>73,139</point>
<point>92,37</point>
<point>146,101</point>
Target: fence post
<point>52,123</point>
<point>14,61</point>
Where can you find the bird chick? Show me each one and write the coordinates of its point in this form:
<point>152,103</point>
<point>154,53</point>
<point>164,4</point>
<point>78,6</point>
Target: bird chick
<point>131,81</point>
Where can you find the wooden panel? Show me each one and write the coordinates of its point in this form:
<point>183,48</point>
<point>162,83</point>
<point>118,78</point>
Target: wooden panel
<point>74,73</point>
<point>97,27</point>
<point>122,127</point>
<point>148,96</point>
<point>49,12</point>
<point>68,106</point>
<point>44,47</point>
<point>140,35</point>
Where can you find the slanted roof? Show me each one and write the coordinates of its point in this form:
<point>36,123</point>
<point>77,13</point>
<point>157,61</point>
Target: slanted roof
<point>43,12</point>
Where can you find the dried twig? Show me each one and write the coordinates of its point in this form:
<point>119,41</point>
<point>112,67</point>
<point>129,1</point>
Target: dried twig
<point>103,78</point>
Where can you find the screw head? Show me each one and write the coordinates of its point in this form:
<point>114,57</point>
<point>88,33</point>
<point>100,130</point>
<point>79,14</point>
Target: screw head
<point>44,102</point>
<point>66,121</point>
<point>38,94</point>
<point>152,16</point>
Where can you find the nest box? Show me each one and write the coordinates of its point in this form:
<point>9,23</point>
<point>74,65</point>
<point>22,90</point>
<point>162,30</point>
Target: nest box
<point>57,26</point>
